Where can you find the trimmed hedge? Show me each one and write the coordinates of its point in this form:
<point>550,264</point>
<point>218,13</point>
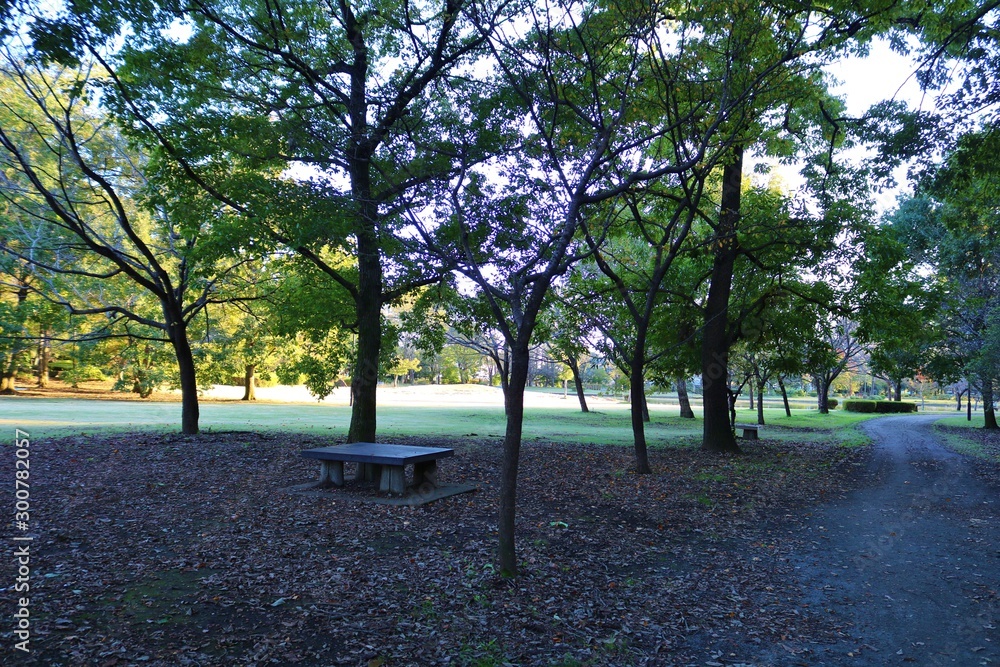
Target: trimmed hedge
<point>880,407</point>
<point>832,403</point>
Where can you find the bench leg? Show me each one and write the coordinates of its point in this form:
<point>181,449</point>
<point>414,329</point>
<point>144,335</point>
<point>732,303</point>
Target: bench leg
<point>749,434</point>
<point>331,473</point>
<point>393,480</point>
<point>425,472</point>
<point>368,472</point>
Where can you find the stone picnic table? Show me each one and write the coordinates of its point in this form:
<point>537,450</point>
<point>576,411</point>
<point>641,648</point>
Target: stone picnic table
<point>378,460</point>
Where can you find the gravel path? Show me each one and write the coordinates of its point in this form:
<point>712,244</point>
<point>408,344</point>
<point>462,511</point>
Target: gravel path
<point>908,567</point>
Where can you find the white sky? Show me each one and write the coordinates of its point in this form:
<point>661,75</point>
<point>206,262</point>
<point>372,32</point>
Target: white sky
<point>882,75</point>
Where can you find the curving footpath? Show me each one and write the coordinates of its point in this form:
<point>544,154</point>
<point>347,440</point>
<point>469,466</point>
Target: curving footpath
<point>909,566</point>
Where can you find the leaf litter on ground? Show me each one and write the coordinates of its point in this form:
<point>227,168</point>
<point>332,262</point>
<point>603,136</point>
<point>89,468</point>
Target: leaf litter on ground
<point>156,549</point>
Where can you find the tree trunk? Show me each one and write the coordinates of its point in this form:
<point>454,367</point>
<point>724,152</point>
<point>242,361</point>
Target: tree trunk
<point>760,403</point>
<point>43,360</point>
<point>750,394</point>
<point>899,390</point>
<point>784,397</point>
<point>989,412</point>
<point>511,454</point>
<point>505,381</point>
<point>718,435</point>
<point>683,399</point>
<point>189,382</point>
<point>369,309</point>
<point>639,419</point>
<point>578,381</point>
<point>7,374</point>
<point>968,404</point>
<point>250,383</point>
<point>958,408</point>
<point>823,396</point>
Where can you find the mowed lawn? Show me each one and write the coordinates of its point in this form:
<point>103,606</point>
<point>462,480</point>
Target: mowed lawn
<point>444,412</point>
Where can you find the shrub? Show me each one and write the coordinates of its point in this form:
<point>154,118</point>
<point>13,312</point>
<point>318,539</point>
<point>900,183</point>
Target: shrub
<point>881,407</point>
<point>895,407</point>
<point>832,403</point>
<point>74,376</point>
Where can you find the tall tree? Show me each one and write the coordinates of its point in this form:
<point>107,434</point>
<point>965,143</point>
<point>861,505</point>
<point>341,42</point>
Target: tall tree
<point>71,171</point>
<point>636,252</point>
<point>833,351</point>
<point>587,135</point>
<point>363,101</point>
<point>950,231</point>
<point>773,51</point>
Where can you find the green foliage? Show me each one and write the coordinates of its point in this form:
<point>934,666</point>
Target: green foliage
<point>76,375</point>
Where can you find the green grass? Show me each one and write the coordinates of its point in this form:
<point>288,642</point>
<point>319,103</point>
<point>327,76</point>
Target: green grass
<point>608,425</point>
<point>958,440</point>
<point>809,425</point>
<point>962,421</point>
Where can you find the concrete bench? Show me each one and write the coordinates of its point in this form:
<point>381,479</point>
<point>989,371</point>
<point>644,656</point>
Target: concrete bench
<point>382,461</point>
<point>749,430</point>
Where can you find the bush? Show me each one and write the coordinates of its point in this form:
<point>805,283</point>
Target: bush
<point>880,407</point>
<point>832,403</point>
<point>895,407</point>
<point>74,376</point>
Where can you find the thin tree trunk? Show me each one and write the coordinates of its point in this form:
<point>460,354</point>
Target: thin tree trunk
<point>511,455</point>
<point>683,399</point>
<point>753,403</point>
<point>638,402</point>
<point>733,396</point>
<point>989,412</point>
<point>760,403</point>
<point>899,390</point>
<point>578,381</point>
<point>250,383</point>
<point>718,435</point>
<point>784,397</point>
<point>968,404</point>
<point>505,381</point>
<point>43,360</point>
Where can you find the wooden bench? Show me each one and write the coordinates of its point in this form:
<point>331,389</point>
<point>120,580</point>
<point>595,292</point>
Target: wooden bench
<point>377,460</point>
<point>749,431</point>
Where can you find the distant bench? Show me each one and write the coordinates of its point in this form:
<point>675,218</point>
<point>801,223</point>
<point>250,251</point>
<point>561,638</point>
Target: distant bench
<point>749,430</point>
<point>377,460</point>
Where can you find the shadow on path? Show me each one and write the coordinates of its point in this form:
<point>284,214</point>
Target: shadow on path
<point>909,566</point>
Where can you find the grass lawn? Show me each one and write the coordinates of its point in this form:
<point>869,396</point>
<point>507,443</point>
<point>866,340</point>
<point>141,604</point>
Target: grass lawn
<point>451,416</point>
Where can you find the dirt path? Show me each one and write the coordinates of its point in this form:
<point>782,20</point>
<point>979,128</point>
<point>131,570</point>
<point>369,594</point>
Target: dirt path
<point>910,566</point>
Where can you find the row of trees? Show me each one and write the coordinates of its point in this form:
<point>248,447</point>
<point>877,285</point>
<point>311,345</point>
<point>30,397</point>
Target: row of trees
<point>510,166</point>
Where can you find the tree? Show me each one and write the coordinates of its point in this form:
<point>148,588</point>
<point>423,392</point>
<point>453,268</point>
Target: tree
<point>72,171</point>
<point>833,351</point>
<point>769,53</point>
<point>949,228</point>
<point>587,134</point>
<point>364,102</point>
<point>568,343</point>
<point>637,250</point>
